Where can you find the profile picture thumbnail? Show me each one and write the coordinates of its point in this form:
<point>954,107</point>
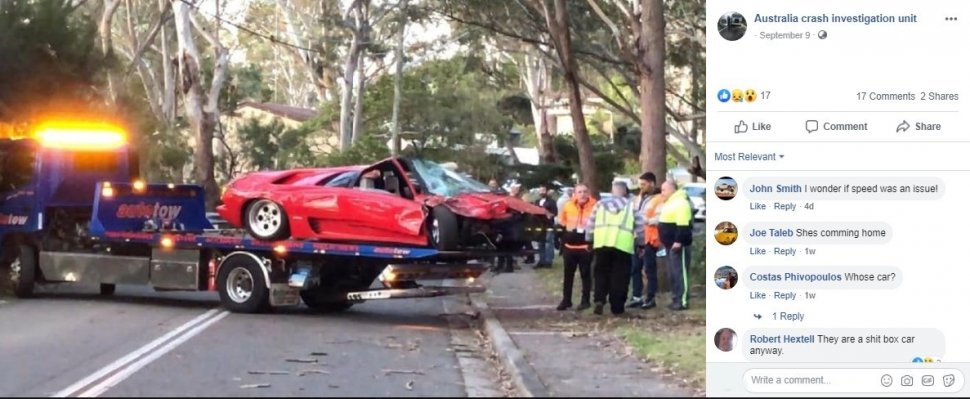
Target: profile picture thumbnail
<point>726,233</point>
<point>726,277</point>
<point>732,26</point>
<point>725,339</point>
<point>726,188</point>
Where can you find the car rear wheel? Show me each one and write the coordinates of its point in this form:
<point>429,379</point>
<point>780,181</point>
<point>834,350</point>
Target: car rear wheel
<point>266,220</point>
<point>443,229</point>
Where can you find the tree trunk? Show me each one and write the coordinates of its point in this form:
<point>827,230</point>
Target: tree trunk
<point>104,29</point>
<point>398,72</point>
<point>347,97</point>
<point>651,48</point>
<point>536,79</point>
<point>201,123</point>
<point>359,101</point>
<point>584,145</point>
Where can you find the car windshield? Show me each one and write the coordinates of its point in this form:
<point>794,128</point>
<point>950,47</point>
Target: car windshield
<point>441,181</point>
<point>695,191</point>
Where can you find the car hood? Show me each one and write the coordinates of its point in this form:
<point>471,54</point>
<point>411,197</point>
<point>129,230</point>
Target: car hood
<point>487,205</point>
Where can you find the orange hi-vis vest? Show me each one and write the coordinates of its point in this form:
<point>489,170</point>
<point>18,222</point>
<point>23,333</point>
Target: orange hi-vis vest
<point>574,217</point>
<point>652,231</point>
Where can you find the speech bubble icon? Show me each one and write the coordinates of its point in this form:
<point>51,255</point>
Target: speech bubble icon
<point>811,126</point>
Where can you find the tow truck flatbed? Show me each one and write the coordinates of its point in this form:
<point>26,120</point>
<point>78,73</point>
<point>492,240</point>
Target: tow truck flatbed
<point>129,232</point>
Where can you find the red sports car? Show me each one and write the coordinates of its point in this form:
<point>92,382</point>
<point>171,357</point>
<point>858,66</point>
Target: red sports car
<point>398,200</point>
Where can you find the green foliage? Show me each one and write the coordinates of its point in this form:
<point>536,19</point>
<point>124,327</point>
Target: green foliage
<point>271,146</point>
<point>244,83</point>
<point>367,150</point>
<point>49,57</point>
<point>697,270</point>
<point>608,163</point>
<point>443,103</point>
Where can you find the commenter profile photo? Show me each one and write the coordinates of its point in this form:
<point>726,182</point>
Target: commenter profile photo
<point>726,277</point>
<point>726,233</point>
<point>732,26</point>
<point>725,339</point>
<point>726,188</point>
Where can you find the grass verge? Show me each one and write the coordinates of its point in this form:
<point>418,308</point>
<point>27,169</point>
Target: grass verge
<point>673,341</point>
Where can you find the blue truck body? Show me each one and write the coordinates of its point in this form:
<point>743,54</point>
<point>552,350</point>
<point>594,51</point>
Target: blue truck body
<point>70,215</point>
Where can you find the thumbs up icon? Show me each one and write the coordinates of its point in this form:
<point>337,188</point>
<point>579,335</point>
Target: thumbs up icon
<point>741,127</point>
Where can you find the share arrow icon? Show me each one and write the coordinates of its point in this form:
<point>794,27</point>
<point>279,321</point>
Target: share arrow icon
<point>757,316</point>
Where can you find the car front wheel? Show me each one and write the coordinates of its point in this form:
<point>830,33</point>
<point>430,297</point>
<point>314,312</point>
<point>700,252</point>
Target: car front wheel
<point>266,220</point>
<point>443,229</point>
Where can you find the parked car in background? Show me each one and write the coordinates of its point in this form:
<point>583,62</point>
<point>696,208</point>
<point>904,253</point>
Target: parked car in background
<point>697,192</point>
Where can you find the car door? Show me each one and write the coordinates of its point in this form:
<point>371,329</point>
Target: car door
<point>367,215</point>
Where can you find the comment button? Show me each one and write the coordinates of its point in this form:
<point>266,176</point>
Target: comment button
<point>898,380</point>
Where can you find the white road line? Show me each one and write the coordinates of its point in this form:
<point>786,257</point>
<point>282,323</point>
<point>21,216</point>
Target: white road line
<point>132,356</point>
<point>126,372</point>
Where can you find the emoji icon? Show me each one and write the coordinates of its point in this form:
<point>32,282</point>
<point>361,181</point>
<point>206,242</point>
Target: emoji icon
<point>750,95</point>
<point>886,380</point>
<point>917,360</point>
<point>948,380</point>
<point>737,95</point>
<point>906,381</point>
<point>928,359</point>
<point>724,95</point>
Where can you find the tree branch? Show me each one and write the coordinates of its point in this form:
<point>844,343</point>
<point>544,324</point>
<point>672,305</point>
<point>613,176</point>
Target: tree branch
<point>162,19</point>
<point>495,29</point>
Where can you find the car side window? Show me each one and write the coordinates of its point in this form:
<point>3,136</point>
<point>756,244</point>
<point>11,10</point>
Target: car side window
<point>345,179</point>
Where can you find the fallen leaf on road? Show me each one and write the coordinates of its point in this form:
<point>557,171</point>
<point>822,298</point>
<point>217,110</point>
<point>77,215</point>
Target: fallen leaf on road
<point>319,354</point>
<point>301,360</point>
<point>251,386</point>
<point>269,372</point>
<point>305,372</point>
<point>389,372</point>
<point>409,385</point>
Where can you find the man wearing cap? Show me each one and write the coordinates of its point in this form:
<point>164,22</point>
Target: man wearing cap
<point>617,229</point>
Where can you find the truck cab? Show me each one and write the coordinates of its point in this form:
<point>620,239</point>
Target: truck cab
<point>48,179</point>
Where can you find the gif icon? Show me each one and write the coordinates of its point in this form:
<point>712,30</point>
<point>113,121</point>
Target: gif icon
<point>948,380</point>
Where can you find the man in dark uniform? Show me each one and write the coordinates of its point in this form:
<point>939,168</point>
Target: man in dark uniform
<point>547,247</point>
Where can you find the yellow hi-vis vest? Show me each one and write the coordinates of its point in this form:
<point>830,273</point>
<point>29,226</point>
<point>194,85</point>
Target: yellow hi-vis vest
<point>614,230</point>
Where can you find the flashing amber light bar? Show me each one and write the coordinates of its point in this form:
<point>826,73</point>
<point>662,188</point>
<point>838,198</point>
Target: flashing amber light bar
<point>80,135</point>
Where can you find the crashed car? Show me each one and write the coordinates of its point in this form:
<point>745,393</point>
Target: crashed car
<point>399,201</point>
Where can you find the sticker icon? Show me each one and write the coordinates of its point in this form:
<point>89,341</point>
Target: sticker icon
<point>724,95</point>
<point>948,380</point>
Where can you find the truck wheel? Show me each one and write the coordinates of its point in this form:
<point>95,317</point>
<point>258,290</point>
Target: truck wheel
<point>266,220</point>
<point>242,287</point>
<point>313,300</point>
<point>23,272</point>
<point>443,229</point>
<point>107,289</point>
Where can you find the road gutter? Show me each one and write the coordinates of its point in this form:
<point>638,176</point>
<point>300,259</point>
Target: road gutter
<point>523,375</point>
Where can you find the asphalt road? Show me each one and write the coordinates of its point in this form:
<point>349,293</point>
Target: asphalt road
<point>142,343</point>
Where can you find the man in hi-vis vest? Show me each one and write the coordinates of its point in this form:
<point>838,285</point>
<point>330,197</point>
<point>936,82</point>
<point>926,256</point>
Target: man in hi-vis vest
<point>617,230</point>
<point>676,221</point>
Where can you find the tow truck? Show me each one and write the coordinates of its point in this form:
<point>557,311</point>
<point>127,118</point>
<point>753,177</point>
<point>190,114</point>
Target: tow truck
<point>73,209</point>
